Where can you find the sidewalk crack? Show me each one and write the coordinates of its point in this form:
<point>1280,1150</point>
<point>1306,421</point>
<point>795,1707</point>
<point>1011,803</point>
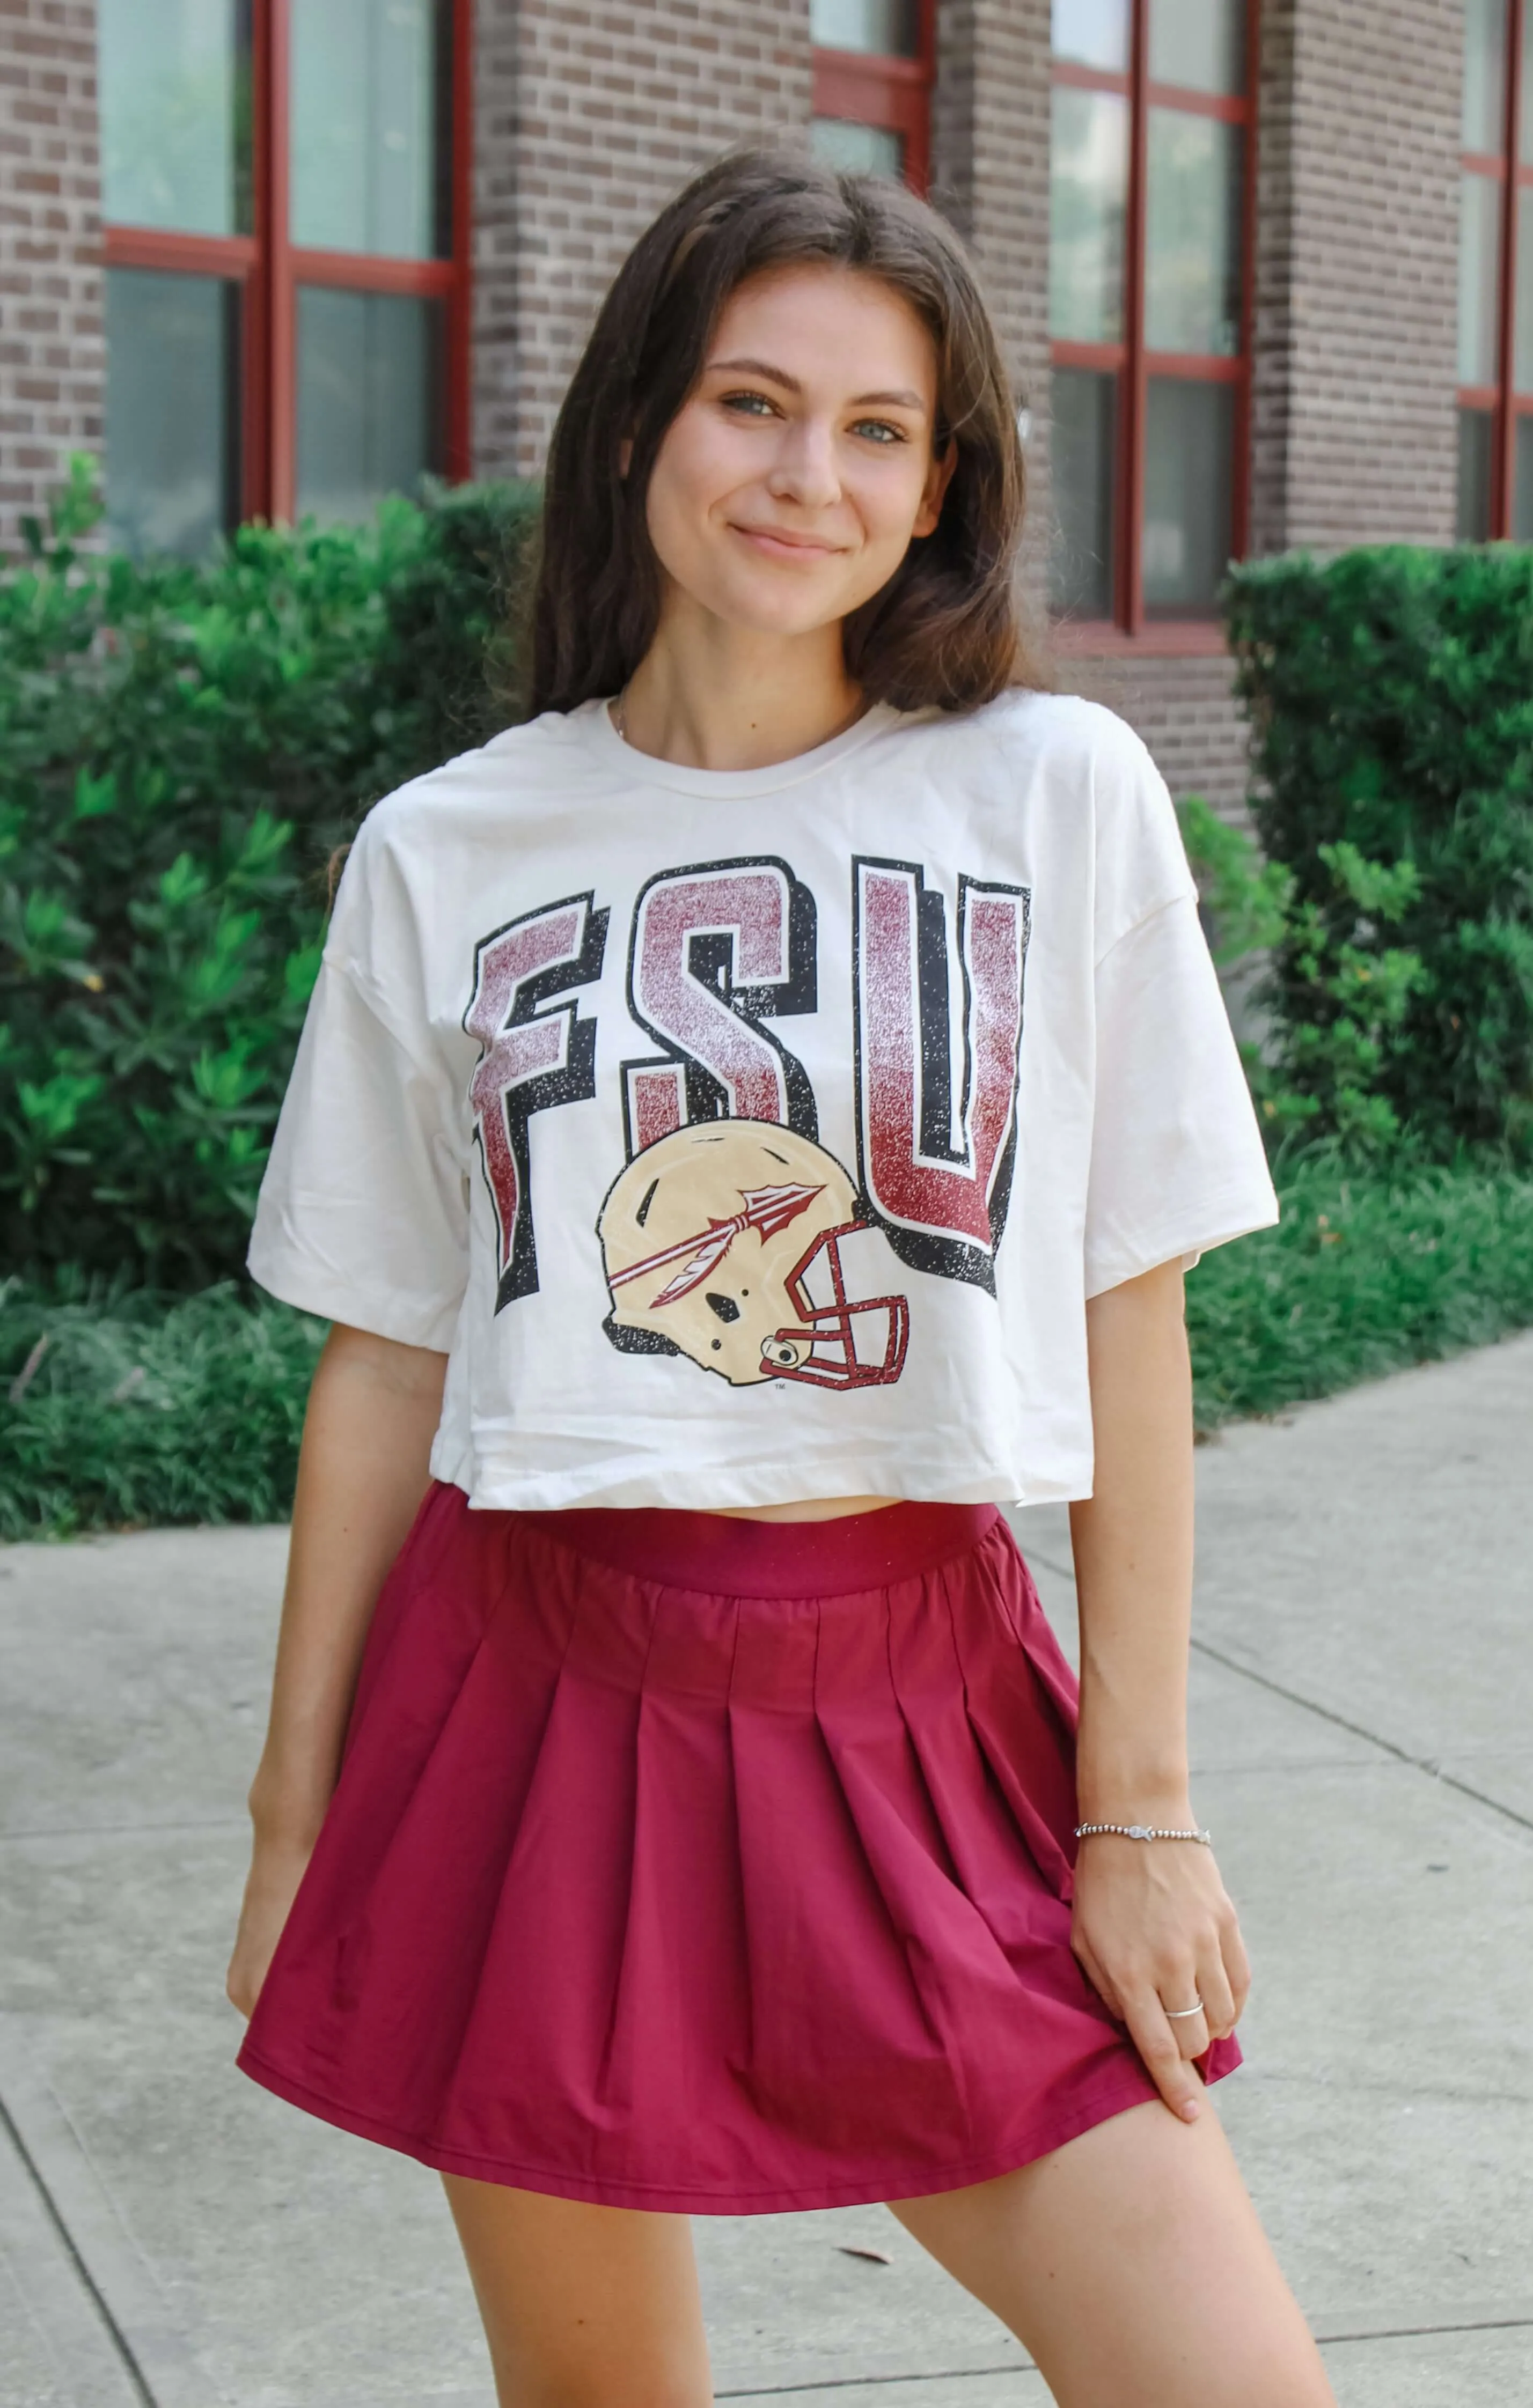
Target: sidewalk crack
<point>115,2334</point>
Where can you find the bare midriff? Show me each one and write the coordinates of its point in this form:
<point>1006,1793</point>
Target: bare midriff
<point>808,1509</point>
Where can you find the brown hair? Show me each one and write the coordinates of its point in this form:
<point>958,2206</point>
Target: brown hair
<point>947,627</point>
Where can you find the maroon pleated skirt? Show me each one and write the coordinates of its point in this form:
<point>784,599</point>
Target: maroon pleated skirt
<point>680,1862</point>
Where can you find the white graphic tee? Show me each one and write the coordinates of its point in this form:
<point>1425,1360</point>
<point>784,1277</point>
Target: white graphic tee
<point>752,1136</point>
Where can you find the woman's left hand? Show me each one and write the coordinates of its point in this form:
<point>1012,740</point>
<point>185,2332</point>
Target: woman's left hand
<point>1153,1931</point>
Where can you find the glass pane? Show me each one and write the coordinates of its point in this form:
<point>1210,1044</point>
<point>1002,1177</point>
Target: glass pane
<point>366,170</point>
<point>1189,492</point>
<point>861,149</point>
<point>889,27</point>
<point>1095,33</point>
<point>1522,347</point>
<point>1484,75</point>
<point>368,379</point>
<point>1476,435</point>
<point>173,136</point>
<point>1199,43</point>
<point>1081,449</point>
<point>1192,234</point>
<point>1522,488</point>
<point>1087,192</point>
<point>1479,268</point>
<point>172,465</point>
<point>1525,139</point>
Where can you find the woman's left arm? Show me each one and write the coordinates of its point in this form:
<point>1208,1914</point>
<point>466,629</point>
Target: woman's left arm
<point>1153,1927</point>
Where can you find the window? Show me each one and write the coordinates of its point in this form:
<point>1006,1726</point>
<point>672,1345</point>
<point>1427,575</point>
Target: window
<point>1151,185</point>
<point>874,64</point>
<point>283,183</point>
<point>1496,275</point>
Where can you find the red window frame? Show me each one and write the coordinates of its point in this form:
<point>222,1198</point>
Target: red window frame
<point>876,88</point>
<point>1501,398</point>
<point>1130,629</point>
<point>268,268</point>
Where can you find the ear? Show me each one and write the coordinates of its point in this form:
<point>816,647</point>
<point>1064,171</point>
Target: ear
<point>939,477</point>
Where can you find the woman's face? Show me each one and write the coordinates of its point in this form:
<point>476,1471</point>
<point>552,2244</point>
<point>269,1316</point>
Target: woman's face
<point>790,483</point>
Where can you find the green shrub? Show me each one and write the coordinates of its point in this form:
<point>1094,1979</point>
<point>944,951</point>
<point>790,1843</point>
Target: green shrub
<point>181,746</point>
<point>1313,1079</point>
<point>1391,693</point>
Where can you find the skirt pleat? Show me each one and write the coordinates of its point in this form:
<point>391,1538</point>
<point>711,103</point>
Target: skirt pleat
<point>731,1898</point>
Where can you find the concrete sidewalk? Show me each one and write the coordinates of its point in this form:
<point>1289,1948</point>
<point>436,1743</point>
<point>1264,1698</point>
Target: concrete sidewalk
<point>1363,1699</point>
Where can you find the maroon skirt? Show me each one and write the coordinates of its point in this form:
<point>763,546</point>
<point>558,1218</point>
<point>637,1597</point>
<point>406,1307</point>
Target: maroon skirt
<point>686,1863</point>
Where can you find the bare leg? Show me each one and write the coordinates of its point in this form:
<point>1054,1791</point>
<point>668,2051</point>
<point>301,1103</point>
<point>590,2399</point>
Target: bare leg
<point>584,2307</point>
<point>1132,2264</point>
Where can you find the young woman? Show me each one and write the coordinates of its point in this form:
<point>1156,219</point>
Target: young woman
<point>752,1122</point>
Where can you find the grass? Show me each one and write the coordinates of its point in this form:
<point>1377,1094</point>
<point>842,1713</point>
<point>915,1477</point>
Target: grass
<point>1365,1274</point>
<point>127,1409</point>
<point>145,1409</point>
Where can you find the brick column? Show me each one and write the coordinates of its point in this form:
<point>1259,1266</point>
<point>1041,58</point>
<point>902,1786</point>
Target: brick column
<point>51,360</point>
<point>1357,277</point>
<point>989,177</point>
<point>589,117</point>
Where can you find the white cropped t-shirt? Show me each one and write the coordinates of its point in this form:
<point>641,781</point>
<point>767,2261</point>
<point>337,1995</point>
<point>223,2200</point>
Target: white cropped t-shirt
<point>752,1135</point>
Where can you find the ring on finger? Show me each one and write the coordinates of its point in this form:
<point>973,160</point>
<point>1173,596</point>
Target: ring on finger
<point>1175,2014</point>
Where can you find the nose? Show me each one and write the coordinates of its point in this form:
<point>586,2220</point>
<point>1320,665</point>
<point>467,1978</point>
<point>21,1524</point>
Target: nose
<point>804,468</point>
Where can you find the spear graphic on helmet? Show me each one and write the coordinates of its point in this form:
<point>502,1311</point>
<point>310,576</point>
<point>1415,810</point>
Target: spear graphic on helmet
<point>767,1210</point>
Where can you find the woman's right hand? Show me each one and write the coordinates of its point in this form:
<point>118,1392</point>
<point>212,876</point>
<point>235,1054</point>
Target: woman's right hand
<point>277,1867</point>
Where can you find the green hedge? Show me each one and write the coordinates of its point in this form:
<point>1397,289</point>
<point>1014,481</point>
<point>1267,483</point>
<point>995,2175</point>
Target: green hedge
<point>1391,693</point>
<point>181,746</point>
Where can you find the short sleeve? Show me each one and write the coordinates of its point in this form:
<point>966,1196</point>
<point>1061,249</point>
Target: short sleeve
<point>1177,1162</point>
<point>362,1216</point>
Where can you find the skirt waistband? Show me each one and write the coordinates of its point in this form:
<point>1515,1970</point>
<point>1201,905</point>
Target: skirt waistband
<point>744,1558</point>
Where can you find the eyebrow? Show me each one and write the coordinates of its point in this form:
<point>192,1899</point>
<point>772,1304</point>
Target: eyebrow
<point>899,399</point>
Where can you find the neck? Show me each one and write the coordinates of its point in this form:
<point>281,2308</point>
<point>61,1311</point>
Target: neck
<point>710,706</point>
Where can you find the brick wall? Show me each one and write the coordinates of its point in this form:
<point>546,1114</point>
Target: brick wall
<point>590,116</point>
<point>50,352</point>
<point>989,177</point>
<point>1357,277</point>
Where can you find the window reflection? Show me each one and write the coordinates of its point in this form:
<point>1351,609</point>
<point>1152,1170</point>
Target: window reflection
<point>1476,438</point>
<point>1521,487</point>
<point>173,144</point>
<point>1479,269</point>
<point>1522,363</point>
<point>1189,481</point>
<point>1092,33</point>
<point>1200,43</point>
<point>369,382</point>
<point>1193,235</point>
<point>1081,445</point>
<point>857,149</point>
<point>172,460</point>
<point>366,90</point>
<point>1088,188</point>
<point>1484,75</point>
<point>890,28</point>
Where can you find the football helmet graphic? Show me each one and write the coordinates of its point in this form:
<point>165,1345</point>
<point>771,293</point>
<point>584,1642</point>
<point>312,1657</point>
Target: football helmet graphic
<point>728,1242</point>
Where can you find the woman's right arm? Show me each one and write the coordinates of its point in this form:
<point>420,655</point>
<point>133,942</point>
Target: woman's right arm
<point>363,1470</point>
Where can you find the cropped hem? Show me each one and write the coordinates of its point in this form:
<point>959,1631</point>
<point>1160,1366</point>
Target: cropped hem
<point>1036,2141</point>
<point>712,1488</point>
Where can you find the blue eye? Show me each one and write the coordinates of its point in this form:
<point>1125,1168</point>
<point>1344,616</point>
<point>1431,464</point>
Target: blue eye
<point>883,427</point>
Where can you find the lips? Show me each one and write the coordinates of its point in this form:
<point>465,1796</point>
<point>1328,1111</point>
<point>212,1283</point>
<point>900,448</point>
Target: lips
<point>779,539</point>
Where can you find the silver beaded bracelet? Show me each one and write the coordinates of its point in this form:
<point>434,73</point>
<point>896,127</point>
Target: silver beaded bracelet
<point>1142,1831</point>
